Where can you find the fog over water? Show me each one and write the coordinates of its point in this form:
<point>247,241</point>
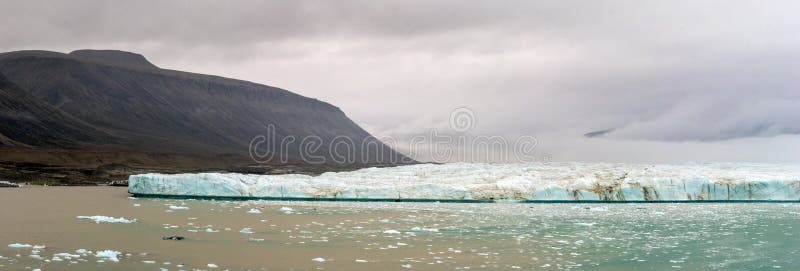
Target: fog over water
<point>674,81</point>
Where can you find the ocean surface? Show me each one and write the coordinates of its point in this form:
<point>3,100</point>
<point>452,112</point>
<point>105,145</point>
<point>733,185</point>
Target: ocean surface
<point>102,228</point>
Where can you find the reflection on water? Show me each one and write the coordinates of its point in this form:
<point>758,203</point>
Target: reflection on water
<point>265,235</point>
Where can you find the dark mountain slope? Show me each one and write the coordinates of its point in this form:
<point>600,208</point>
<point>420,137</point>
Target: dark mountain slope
<point>27,121</point>
<point>114,99</point>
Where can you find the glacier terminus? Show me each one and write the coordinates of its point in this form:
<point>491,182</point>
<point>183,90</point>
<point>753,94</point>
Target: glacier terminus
<point>590,182</point>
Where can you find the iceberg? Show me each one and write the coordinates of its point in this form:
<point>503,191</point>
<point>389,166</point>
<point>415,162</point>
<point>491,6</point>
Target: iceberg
<point>18,245</point>
<point>106,219</point>
<point>603,182</point>
<point>109,255</point>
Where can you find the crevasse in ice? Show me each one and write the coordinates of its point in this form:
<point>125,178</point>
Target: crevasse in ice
<point>472,181</point>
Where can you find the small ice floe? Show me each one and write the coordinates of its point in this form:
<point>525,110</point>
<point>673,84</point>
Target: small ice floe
<point>254,211</point>
<point>210,230</point>
<point>424,229</point>
<point>246,231</point>
<point>286,210</point>
<point>407,266</point>
<point>65,255</point>
<point>391,232</point>
<point>173,207</point>
<point>9,184</point>
<point>255,240</point>
<point>361,261</point>
<point>83,252</point>
<point>149,262</point>
<point>319,260</point>
<point>18,245</point>
<point>108,255</point>
<point>34,247</point>
<point>587,224</point>
<point>212,265</point>
<point>106,219</point>
<point>136,205</point>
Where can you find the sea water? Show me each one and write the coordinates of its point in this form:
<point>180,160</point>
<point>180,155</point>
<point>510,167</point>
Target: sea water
<point>301,235</point>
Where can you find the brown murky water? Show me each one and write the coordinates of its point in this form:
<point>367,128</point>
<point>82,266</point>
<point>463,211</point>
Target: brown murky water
<point>389,236</point>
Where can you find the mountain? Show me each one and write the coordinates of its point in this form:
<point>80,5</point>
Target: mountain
<point>27,122</point>
<point>105,100</point>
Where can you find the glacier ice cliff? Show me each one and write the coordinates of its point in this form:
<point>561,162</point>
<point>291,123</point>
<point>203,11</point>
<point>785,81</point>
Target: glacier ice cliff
<point>497,182</point>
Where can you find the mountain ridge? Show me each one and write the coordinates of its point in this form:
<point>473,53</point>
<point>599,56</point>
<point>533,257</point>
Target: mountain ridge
<point>128,103</point>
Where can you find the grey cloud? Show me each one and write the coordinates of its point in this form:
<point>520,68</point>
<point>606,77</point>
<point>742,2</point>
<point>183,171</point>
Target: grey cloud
<point>665,72</point>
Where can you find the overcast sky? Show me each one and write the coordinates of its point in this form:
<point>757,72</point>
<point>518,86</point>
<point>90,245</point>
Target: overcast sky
<point>674,81</point>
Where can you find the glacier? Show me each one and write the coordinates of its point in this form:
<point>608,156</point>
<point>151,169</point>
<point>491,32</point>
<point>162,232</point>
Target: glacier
<point>604,182</point>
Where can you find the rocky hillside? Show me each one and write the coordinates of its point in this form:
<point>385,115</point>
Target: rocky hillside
<point>118,101</point>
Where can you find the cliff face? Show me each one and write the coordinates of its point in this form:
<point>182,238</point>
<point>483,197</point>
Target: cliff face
<point>117,100</point>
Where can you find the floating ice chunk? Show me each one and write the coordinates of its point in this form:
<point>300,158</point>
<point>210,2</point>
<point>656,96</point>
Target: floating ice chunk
<point>286,210</point>
<point>66,255</point>
<point>391,232</point>
<point>424,229</point>
<point>246,231</point>
<point>407,266</point>
<point>361,261</point>
<point>18,245</point>
<point>106,219</point>
<point>212,265</point>
<point>254,211</point>
<point>83,251</point>
<point>109,255</point>
<point>255,240</point>
<point>319,260</point>
<point>173,207</point>
<point>588,224</point>
<point>210,230</point>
